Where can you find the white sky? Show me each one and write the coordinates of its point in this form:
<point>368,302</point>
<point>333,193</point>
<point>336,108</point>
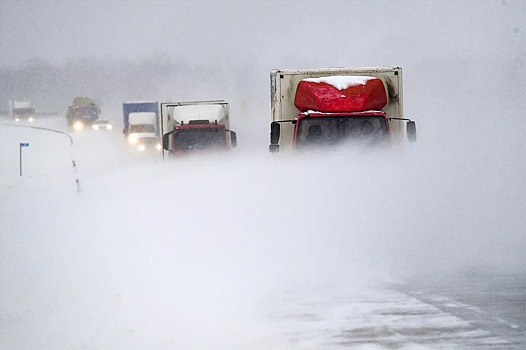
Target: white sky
<point>331,33</point>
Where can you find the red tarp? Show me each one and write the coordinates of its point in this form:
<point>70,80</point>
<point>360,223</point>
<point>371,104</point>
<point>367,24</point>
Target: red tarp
<point>323,97</point>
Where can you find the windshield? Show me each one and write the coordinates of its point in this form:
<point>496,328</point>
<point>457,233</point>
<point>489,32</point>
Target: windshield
<point>138,128</point>
<point>332,130</point>
<point>23,111</point>
<point>190,139</point>
<point>87,111</point>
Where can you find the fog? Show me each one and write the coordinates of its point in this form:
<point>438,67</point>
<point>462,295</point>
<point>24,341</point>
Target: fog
<point>118,51</point>
<point>193,253</point>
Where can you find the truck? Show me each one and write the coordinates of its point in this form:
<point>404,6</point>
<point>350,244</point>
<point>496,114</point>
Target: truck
<point>82,113</point>
<point>141,124</point>
<point>21,110</point>
<point>328,107</point>
<point>196,126</point>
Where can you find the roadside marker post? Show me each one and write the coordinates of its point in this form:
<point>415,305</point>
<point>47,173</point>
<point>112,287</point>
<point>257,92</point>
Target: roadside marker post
<point>22,144</point>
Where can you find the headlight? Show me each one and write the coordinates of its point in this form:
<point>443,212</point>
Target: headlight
<point>17,119</point>
<point>96,127</point>
<point>158,147</point>
<point>109,126</point>
<point>78,126</point>
<point>132,138</point>
<point>31,119</point>
<point>141,148</point>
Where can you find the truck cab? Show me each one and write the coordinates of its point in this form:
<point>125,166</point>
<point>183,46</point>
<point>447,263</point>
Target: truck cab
<point>21,110</point>
<point>82,113</point>
<point>142,131</point>
<point>196,127</point>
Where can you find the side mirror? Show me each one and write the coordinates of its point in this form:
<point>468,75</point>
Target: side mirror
<point>275,130</point>
<point>166,141</point>
<point>411,131</point>
<point>233,139</point>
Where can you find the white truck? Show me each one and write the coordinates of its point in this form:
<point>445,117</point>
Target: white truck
<point>335,106</point>
<point>196,126</point>
<point>142,130</point>
<point>21,110</point>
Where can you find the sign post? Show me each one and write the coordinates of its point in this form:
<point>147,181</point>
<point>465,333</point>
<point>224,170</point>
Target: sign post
<point>22,145</point>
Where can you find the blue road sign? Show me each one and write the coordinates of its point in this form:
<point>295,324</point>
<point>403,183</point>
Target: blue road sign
<point>24,144</point>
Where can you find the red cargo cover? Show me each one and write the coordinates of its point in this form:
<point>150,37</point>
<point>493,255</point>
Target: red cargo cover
<point>341,94</point>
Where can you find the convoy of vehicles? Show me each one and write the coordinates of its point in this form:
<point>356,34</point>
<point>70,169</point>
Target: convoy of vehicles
<point>82,113</point>
<point>336,106</point>
<point>141,124</point>
<point>196,126</point>
<point>21,110</point>
<point>310,108</point>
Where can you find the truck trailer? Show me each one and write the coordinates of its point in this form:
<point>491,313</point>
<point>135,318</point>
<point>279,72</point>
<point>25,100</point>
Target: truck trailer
<point>141,124</point>
<point>314,108</point>
<point>21,110</point>
<point>196,126</point>
<point>82,113</point>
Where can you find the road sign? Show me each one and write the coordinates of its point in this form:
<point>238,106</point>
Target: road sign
<point>22,144</point>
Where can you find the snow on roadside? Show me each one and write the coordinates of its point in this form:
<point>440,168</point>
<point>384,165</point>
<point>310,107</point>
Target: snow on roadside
<point>197,253</point>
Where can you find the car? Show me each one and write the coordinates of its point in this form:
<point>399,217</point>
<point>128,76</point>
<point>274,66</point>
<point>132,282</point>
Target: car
<point>151,143</point>
<point>100,124</point>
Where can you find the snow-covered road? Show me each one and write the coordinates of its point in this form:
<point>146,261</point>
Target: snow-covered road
<point>230,252</point>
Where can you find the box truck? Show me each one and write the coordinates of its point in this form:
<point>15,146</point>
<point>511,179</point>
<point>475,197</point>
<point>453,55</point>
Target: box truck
<point>327,107</point>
